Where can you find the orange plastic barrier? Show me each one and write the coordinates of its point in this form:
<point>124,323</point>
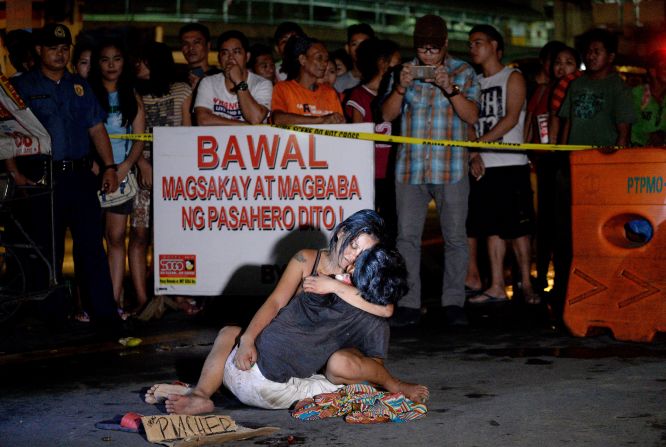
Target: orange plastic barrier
<point>618,281</point>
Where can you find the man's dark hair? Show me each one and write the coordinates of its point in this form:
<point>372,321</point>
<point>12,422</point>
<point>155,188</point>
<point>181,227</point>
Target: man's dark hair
<point>296,45</point>
<point>203,29</point>
<point>361,222</point>
<point>343,56</point>
<point>233,34</point>
<point>257,50</point>
<point>21,49</point>
<point>492,34</point>
<point>608,39</point>
<point>359,28</point>
<point>370,52</point>
<point>286,28</point>
<point>380,275</point>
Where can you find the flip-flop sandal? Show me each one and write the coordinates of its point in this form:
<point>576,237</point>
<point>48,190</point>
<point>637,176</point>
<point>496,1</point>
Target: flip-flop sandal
<point>485,298</point>
<point>162,391</point>
<point>470,292</point>
<point>82,317</point>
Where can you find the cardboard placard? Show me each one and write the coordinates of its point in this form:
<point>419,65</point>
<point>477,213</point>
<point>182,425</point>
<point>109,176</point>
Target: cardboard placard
<point>172,427</point>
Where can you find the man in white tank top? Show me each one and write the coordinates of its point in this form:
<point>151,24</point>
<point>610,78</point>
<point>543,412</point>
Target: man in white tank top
<point>500,206</point>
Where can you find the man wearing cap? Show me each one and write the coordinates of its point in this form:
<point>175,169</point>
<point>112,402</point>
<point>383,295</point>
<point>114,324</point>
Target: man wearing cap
<point>67,108</point>
<point>441,106</point>
<point>236,95</point>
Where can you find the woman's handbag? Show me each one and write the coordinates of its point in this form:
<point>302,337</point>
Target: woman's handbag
<point>125,192</point>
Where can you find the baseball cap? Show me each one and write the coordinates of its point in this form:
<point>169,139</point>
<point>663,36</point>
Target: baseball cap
<point>430,30</point>
<point>54,34</point>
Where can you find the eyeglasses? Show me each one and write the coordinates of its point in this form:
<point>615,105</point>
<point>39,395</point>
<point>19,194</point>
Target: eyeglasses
<point>430,50</point>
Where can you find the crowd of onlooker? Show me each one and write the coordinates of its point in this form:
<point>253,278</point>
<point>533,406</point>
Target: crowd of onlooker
<point>483,197</point>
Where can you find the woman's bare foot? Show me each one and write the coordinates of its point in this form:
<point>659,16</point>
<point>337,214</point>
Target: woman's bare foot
<point>158,393</point>
<point>413,391</point>
<point>190,404</point>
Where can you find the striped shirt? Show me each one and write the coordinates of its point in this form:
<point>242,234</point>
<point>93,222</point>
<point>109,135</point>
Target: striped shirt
<point>428,114</point>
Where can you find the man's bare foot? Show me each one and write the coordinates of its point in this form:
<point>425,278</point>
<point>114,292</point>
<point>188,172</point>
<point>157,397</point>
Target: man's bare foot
<point>190,404</point>
<point>413,391</point>
<point>158,393</point>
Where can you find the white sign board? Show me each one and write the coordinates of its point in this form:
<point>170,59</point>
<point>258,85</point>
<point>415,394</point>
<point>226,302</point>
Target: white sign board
<point>233,204</point>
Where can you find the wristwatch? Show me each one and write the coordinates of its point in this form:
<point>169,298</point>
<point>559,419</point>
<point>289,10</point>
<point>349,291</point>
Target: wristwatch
<point>455,90</point>
<point>111,166</point>
<point>241,87</point>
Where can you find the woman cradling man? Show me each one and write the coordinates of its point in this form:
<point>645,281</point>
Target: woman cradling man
<point>258,383</point>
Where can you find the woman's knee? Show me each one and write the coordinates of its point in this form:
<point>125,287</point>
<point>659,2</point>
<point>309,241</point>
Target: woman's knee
<point>115,238</point>
<point>138,237</point>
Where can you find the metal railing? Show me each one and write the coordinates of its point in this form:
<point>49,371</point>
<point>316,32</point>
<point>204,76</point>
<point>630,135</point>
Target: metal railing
<point>522,26</point>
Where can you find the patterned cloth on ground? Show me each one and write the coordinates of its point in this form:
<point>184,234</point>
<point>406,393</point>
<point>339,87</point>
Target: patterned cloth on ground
<point>360,404</point>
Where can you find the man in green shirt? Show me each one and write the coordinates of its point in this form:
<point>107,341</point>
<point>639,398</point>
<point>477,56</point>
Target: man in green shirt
<point>597,109</point>
<point>649,102</point>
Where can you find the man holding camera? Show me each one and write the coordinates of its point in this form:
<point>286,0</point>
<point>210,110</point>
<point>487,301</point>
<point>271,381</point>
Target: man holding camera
<point>439,103</point>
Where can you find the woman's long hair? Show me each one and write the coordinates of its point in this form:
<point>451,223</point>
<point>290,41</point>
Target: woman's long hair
<point>125,86</point>
<point>158,58</point>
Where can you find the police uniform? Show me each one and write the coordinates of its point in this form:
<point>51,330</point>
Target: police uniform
<point>68,109</point>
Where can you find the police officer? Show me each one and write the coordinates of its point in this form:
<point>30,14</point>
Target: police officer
<point>67,108</point>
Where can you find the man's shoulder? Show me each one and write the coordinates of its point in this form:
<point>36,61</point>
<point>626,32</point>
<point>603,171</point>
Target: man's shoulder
<point>212,80</point>
<point>27,79</point>
<point>458,65</point>
<point>326,89</point>
<point>258,82</point>
<point>616,80</point>
<point>212,86</point>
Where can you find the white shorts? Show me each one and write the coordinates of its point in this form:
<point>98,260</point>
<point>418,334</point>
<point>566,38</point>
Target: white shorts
<point>252,388</point>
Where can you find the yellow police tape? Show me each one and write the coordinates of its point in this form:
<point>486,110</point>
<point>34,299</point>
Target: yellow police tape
<point>398,139</point>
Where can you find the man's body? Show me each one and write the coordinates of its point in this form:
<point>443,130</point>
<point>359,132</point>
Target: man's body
<point>440,108</point>
<point>323,329</point>
<point>597,107</point>
<point>236,95</point>
<point>501,195</point>
<point>195,46</point>
<point>68,109</point>
<point>596,110</point>
<point>649,103</point>
<point>355,35</point>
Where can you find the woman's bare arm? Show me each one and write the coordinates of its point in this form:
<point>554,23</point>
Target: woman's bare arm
<point>246,355</point>
<point>324,284</point>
